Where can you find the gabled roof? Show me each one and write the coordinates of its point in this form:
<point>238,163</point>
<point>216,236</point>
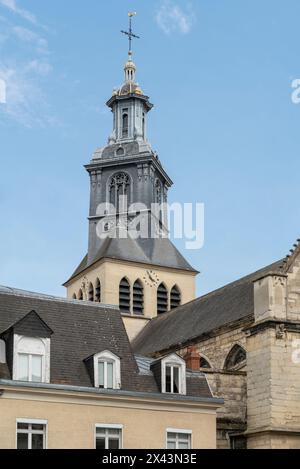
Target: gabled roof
<point>195,380</point>
<point>155,251</point>
<point>229,304</point>
<point>288,261</point>
<point>31,325</point>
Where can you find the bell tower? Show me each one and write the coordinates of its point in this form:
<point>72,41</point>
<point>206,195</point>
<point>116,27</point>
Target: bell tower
<point>135,273</point>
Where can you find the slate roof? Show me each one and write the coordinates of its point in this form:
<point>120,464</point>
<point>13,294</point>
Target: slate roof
<point>78,331</point>
<point>195,380</point>
<point>155,251</point>
<point>234,302</point>
<point>32,324</point>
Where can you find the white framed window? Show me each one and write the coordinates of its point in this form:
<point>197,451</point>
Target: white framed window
<point>31,359</point>
<point>107,370</point>
<point>31,434</point>
<point>109,436</point>
<point>2,351</point>
<point>173,374</point>
<point>179,439</point>
<point>30,367</point>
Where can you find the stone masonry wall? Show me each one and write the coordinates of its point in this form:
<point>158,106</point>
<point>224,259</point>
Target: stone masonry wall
<point>230,385</point>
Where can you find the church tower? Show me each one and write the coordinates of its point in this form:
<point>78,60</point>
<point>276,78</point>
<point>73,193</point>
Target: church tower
<point>130,261</point>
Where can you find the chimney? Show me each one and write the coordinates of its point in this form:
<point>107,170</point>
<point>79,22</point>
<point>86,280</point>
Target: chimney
<point>192,358</point>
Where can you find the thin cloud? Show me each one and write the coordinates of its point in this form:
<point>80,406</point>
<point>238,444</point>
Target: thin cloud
<point>26,35</point>
<point>171,18</point>
<point>25,73</point>
<point>25,100</point>
<point>40,67</point>
<point>12,6</point>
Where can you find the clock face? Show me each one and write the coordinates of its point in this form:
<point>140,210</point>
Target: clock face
<point>151,278</point>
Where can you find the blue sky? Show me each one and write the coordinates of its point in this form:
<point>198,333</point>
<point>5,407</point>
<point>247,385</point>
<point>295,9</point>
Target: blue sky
<point>219,73</point>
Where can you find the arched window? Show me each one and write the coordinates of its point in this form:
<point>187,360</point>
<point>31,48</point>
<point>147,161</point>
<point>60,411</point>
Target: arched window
<point>80,295</point>
<point>31,356</point>
<point>158,192</point>
<point>158,198</point>
<point>173,374</point>
<point>98,291</point>
<point>204,363</point>
<point>119,192</point>
<point>138,298</point>
<point>162,299</point>
<point>124,296</point>
<point>74,297</point>
<point>175,297</point>
<point>91,292</point>
<point>107,370</point>
<point>125,124</point>
<point>236,358</point>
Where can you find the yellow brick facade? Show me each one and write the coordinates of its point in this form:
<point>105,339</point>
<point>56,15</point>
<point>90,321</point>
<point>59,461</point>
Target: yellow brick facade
<point>71,419</point>
<point>111,272</point>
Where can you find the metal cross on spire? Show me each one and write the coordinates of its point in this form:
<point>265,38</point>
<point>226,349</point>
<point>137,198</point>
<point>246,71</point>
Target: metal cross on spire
<point>129,33</point>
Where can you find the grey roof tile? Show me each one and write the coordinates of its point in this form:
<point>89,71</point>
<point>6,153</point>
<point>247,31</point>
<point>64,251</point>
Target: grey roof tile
<point>155,251</point>
<point>219,308</point>
<point>78,329</point>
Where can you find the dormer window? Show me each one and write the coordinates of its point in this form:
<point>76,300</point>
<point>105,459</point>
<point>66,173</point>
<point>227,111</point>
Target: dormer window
<point>30,367</point>
<point>172,379</point>
<point>173,370</point>
<point>31,359</point>
<point>107,370</point>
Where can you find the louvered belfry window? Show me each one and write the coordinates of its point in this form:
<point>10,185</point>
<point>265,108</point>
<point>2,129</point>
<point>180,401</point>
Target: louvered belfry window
<point>138,298</point>
<point>124,296</point>
<point>98,291</point>
<point>91,292</point>
<point>175,297</point>
<point>162,299</point>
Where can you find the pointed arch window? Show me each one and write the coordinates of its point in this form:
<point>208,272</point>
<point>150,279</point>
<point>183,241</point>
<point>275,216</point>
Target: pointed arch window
<point>98,291</point>
<point>124,296</point>
<point>204,363</point>
<point>91,292</point>
<point>175,297</point>
<point>80,295</point>
<point>162,299</point>
<point>125,121</point>
<point>74,297</point>
<point>158,192</point>
<point>119,190</point>
<point>236,358</point>
<point>138,298</point>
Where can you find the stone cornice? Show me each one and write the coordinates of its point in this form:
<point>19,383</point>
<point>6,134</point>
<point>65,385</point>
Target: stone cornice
<point>141,158</point>
<point>288,326</point>
<point>103,397</point>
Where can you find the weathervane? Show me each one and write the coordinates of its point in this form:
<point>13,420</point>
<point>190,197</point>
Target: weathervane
<point>129,33</point>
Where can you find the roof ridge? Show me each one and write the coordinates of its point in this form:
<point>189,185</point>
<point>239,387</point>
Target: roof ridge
<point>208,295</point>
<point>43,296</point>
<point>289,258</point>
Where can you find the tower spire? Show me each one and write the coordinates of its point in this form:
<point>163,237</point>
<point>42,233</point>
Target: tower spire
<point>130,68</point>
